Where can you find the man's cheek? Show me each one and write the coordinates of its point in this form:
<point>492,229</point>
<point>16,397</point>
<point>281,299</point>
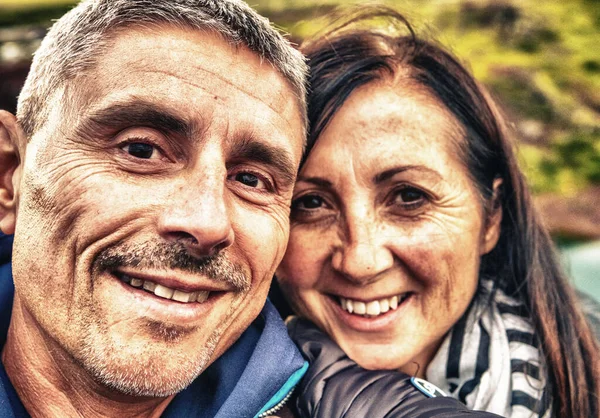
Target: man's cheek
<point>260,227</point>
<point>281,233</point>
<point>45,206</point>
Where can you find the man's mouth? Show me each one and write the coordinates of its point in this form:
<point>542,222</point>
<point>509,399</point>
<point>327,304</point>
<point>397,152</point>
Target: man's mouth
<point>163,291</point>
<point>373,308</point>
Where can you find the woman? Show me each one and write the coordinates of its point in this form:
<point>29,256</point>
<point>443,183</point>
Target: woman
<point>414,244</point>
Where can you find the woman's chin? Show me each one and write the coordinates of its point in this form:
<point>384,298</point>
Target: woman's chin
<point>373,357</point>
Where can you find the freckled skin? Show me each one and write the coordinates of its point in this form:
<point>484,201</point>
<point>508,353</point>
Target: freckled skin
<point>420,230</point>
<point>80,195</point>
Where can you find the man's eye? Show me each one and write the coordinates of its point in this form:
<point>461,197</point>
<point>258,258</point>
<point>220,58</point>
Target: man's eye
<point>250,180</point>
<point>307,202</point>
<point>140,150</point>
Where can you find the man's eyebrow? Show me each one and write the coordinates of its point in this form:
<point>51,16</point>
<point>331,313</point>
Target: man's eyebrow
<point>136,113</point>
<point>249,148</point>
<point>388,174</point>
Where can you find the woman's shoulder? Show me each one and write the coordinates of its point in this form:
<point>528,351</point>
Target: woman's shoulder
<point>335,386</point>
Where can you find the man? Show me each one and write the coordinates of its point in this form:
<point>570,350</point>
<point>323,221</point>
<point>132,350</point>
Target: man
<point>147,181</point>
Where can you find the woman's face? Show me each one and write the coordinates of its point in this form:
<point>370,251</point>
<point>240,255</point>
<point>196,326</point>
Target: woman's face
<point>387,229</point>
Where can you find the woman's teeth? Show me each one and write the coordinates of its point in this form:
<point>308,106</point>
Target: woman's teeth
<point>373,308</point>
<point>165,292</point>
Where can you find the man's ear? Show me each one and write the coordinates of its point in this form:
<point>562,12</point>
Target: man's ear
<point>494,220</point>
<point>12,144</point>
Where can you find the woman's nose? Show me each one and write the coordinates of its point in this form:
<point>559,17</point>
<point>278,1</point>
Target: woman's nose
<point>364,255</point>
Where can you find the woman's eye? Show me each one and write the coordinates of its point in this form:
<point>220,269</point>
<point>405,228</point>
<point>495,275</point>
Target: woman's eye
<point>140,150</point>
<point>410,197</point>
<point>307,202</point>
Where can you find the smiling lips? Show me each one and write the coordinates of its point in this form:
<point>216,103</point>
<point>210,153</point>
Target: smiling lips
<point>373,308</point>
<point>164,291</point>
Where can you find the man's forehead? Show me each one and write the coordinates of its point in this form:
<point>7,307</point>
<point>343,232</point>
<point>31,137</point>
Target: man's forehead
<point>191,53</point>
<point>172,41</point>
<point>184,68</point>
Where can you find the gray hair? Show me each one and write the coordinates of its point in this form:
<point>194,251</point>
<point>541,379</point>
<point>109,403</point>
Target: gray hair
<point>74,42</point>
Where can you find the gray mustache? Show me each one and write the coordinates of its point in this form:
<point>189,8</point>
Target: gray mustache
<point>172,256</point>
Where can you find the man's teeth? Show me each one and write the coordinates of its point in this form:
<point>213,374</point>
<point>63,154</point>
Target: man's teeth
<point>373,308</point>
<point>166,292</point>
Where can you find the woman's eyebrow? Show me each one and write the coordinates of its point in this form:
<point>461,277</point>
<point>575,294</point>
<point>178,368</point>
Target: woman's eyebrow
<point>317,181</point>
<point>389,173</point>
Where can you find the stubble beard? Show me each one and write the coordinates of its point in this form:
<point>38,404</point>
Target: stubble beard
<point>158,370</point>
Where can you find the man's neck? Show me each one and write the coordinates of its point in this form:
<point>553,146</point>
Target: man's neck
<point>50,383</point>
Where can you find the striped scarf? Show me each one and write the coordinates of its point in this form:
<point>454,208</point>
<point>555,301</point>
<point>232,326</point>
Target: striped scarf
<point>490,360</point>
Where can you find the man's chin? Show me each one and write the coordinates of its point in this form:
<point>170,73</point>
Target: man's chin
<point>148,373</point>
<point>146,382</point>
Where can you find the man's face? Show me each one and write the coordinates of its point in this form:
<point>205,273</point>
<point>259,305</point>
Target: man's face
<point>153,207</point>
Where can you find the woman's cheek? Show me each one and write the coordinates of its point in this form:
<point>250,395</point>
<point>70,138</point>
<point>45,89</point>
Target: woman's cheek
<point>302,263</point>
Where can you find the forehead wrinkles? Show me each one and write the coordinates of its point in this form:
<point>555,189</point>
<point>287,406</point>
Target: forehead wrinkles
<point>451,127</point>
<point>219,91</point>
<point>415,114</point>
<point>410,90</point>
<point>161,78</point>
<point>200,59</point>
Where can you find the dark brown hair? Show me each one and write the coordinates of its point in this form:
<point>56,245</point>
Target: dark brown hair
<point>524,262</point>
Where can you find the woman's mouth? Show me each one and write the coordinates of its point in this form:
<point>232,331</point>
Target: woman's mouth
<point>373,308</point>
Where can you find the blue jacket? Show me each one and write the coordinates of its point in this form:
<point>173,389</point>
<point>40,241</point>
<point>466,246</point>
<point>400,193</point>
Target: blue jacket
<point>254,375</point>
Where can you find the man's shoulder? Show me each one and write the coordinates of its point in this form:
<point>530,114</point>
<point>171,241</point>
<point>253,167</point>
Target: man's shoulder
<point>7,290</point>
<point>6,242</point>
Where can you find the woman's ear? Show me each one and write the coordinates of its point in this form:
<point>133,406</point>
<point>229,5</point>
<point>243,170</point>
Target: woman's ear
<point>494,219</point>
<point>12,141</point>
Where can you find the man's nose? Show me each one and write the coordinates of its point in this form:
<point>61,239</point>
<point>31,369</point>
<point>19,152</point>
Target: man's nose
<point>363,254</point>
<point>198,216</point>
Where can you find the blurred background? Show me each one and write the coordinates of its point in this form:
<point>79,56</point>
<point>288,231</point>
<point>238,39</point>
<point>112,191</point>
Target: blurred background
<point>539,58</point>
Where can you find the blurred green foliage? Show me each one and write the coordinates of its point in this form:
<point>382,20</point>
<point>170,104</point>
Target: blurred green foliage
<point>32,12</point>
<point>540,59</point>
